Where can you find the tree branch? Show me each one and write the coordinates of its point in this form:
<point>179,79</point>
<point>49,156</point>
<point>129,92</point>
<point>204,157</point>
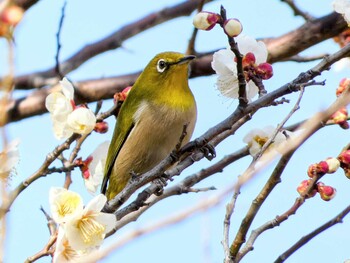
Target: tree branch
<point>337,219</point>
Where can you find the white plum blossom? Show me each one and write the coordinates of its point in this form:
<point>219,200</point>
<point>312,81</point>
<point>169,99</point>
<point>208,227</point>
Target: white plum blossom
<point>225,66</point>
<point>88,228</point>
<point>82,120</point>
<point>64,204</point>
<point>256,139</point>
<point>94,175</point>
<point>64,253</point>
<point>342,7</point>
<point>9,158</point>
<point>66,117</point>
<point>60,103</point>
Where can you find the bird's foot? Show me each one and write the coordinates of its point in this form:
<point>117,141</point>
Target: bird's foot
<point>209,151</point>
<point>160,183</point>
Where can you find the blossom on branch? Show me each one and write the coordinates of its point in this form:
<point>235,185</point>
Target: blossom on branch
<point>87,229</point>
<point>82,120</point>
<point>225,65</point>
<point>64,204</point>
<point>93,167</point>
<point>205,20</point>
<point>64,253</point>
<point>257,138</point>
<point>66,117</point>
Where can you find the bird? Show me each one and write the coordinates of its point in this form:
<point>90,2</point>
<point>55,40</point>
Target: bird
<point>151,121</point>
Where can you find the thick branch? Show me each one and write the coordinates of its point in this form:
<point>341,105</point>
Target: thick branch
<point>113,41</point>
<point>280,48</point>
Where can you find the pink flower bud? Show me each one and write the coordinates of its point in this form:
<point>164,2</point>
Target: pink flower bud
<point>248,60</point>
<point>205,20</point>
<point>333,165</point>
<point>344,84</point>
<point>303,186</point>
<point>233,27</point>
<point>264,70</point>
<point>121,96</point>
<point>11,15</point>
<point>326,192</point>
<point>340,116</point>
<point>317,169</point>
<point>101,127</point>
<point>344,158</point>
<point>84,166</point>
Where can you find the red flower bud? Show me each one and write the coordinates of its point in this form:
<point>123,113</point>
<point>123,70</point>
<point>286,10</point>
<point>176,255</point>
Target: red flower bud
<point>317,169</point>
<point>248,60</point>
<point>11,15</point>
<point>326,192</point>
<point>340,116</point>
<point>121,96</point>
<point>343,85</point>
<point>264,70</point>
<point>205,20</point>
<point>344,158</point>
<point>303,186</point>
<point>101,127</point>
<point>84,166</point>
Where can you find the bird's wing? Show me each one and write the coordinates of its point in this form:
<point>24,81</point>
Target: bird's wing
<point>124,126</point>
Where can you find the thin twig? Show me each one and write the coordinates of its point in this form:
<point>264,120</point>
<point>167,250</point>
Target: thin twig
<point>297,11</point>
<point>191,43</point>
<point>337,219</point>
<point>227,222</point>
<point>274,179</point>
<point>58,34</point>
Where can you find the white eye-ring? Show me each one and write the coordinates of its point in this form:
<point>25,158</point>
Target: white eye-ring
<point>161,65</point>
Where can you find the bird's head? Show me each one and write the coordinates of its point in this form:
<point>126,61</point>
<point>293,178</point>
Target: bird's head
<point>167,66</point>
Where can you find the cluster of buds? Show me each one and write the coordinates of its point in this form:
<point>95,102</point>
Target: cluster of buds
<point>121,96</point>
<point>10,16</point>
<point>328,166</point>
<point>326,192</point>
<point>344,159</point>
<point>340,117</point>
<point>251,68</point>
<point>207,20</point>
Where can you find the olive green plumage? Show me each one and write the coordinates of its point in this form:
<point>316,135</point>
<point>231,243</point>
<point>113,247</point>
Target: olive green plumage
<point>150,121</point>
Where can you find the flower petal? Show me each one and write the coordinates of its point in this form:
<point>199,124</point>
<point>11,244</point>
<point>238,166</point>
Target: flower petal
<point>64,204</point>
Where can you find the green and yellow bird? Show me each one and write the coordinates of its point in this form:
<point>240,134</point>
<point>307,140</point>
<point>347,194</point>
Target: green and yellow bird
<point>150,121</point>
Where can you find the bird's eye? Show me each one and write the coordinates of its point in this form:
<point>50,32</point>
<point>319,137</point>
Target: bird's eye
<point>161,65</point>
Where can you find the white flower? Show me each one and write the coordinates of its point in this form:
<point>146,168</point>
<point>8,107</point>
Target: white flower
<point>9,158</point>
<point>64,204</point>
<point>88,228</point>
<point>258,137</point>
<point>95,173</point>
<point>59,103</point>
<point>64,252</point>
<point>342,64</point>
<point>81,120</point>
<point>225,66</point>
<point>342,7</point>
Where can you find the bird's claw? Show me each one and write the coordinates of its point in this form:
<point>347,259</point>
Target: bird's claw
<point>209,151</point>
<point>160,183</point>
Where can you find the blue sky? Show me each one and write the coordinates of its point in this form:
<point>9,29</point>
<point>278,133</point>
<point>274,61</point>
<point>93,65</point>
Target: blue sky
<point>198,238</point>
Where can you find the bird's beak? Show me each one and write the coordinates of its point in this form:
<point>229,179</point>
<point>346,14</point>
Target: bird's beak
<point>185,59</point>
